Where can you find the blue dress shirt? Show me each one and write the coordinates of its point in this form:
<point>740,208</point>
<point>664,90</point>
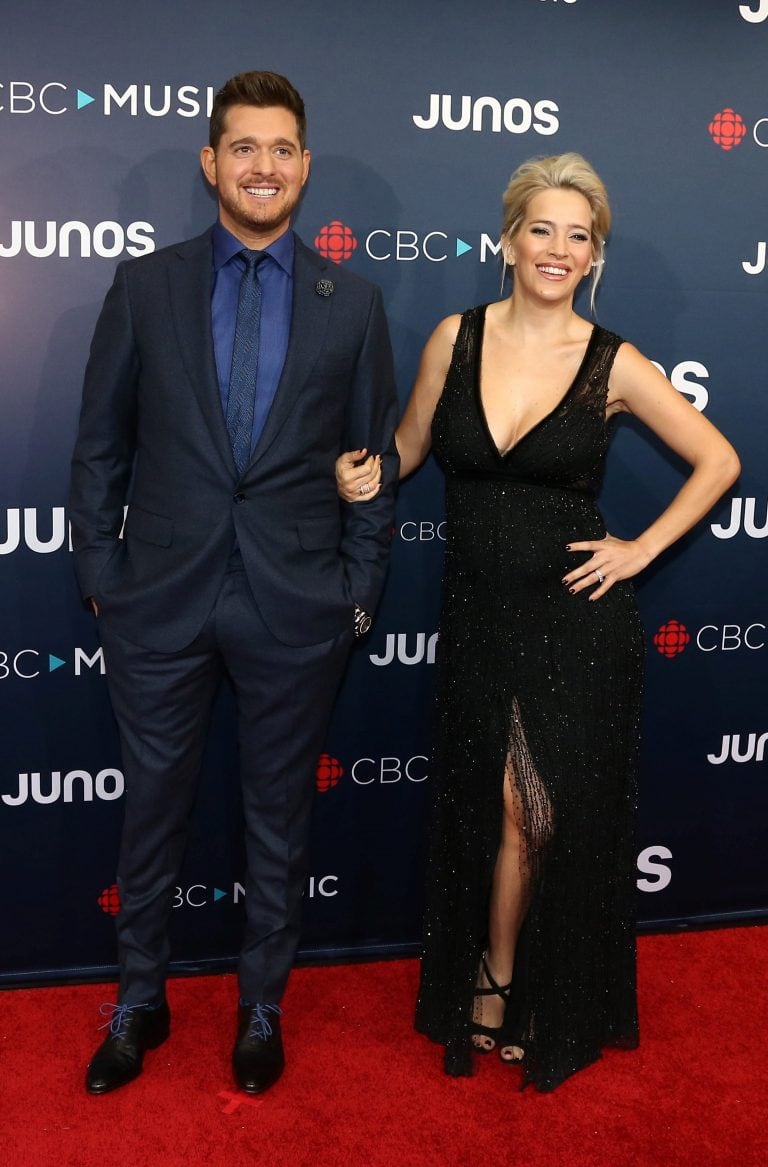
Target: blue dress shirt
<point>276,281</point>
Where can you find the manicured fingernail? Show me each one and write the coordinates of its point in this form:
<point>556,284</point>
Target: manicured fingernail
<point>572,590</point>
<point>567,547</point>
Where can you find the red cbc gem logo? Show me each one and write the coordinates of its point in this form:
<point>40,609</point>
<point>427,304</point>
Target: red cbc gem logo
<point>329,770</point>
<point>109,900</point>
<point>727,129</point>
<point>336,241</point>
<point>672,638</point>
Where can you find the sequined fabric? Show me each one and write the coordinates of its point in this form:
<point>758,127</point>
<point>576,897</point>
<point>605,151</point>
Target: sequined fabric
<point>540,688</point>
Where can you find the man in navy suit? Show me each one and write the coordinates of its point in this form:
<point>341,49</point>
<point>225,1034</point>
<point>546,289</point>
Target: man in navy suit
<point>225,376</point>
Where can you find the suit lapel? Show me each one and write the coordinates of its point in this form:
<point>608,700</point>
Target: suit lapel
<point>190,277</point>
<point>309,320</point>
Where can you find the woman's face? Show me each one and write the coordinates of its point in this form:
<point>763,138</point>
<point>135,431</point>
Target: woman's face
<point>552,248</point>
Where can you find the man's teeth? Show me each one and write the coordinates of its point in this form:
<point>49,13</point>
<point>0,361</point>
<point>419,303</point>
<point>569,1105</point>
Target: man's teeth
<point>554,271</point>
<point>262,192</point>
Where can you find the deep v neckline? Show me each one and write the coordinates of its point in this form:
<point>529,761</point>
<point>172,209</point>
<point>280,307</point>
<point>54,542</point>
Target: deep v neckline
<point>542,420</point>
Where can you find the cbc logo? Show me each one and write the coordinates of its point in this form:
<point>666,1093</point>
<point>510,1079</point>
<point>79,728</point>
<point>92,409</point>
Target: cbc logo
<point>422,532</point>
<point>200,895</point>
<point>337,241</point>
<point>407,246</point>
<point>23,664</point>
<point>729,637</point>
<point>74,786</point>
<point>754,13</point>
<point>516,115</point>
<point>407,650</point>
<point>385,771</point>
<point>731,749</point>
<point>742,517</point>
<point>55,98</point>
<point>73,238</point>
<point>673,638</point>
<point>371,771</point>
<point>728,129</point>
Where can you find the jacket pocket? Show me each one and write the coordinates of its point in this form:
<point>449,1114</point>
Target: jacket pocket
<point>141,524</point>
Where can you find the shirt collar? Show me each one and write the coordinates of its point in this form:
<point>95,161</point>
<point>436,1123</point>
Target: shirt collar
<point>226,245</point>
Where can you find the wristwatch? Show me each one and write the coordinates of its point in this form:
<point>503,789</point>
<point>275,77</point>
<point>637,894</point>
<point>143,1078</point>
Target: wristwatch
<point>362,621</point>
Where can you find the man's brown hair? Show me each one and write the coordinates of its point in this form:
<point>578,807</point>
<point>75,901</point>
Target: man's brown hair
<point>259,88</point>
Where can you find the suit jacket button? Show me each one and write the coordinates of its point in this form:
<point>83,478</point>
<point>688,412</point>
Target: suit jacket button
<point>239,497</point>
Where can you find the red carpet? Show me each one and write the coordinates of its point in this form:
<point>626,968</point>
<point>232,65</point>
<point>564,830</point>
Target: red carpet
<point>362,1088</point>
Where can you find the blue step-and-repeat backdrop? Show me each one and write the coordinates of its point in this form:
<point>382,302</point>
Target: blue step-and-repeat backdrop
<point>418,114</point>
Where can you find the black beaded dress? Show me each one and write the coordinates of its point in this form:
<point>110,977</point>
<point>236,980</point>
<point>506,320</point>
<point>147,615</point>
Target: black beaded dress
<point>541,688</point>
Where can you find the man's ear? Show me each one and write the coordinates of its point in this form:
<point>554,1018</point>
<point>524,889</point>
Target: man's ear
<point>208,163</point>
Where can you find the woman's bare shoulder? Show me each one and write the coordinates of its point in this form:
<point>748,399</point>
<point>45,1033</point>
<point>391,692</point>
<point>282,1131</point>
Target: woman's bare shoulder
<point>447,330</point>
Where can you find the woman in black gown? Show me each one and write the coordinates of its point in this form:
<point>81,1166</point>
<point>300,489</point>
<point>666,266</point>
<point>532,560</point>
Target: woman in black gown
<point>529,931</point>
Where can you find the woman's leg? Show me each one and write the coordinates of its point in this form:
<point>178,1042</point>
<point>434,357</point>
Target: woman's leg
<point>508,906</point>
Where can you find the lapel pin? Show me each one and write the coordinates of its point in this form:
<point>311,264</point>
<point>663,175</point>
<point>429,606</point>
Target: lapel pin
<point>324,287</point>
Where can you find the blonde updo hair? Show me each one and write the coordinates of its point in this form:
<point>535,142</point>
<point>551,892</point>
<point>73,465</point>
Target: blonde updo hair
<point>564,172</point>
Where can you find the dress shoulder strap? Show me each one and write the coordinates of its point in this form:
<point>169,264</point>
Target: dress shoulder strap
<point>468,339</point>
<point>596,373</point>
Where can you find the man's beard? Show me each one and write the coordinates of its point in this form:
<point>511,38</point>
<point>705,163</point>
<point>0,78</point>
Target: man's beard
<point>262,219</point>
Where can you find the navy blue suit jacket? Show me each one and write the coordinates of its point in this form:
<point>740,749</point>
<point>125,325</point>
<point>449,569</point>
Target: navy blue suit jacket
<point>153,436</point>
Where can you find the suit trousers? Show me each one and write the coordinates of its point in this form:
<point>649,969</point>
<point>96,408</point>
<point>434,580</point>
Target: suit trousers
<point>162,703</point>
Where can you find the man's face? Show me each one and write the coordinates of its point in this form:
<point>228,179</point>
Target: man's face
<point>258,169</point>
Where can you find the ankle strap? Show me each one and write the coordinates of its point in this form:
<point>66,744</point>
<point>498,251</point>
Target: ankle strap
<point>501,990</point>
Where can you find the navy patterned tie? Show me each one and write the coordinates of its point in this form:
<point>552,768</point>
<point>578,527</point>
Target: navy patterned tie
<point>245,361</point>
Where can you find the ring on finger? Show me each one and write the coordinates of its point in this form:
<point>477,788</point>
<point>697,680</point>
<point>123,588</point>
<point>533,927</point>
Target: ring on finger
<point>600,576</point>
<point>365,487</point>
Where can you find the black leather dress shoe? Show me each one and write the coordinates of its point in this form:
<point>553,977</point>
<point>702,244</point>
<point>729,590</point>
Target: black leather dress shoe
<point>257,1058</point>
<point>133,1029</point>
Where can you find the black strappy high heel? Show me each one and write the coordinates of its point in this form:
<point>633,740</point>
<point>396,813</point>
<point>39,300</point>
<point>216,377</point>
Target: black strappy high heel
<point>494,990</point>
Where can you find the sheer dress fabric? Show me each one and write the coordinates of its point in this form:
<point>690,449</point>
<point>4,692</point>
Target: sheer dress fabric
<point>542,689</point>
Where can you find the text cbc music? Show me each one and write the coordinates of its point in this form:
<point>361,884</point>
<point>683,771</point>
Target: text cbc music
<point>54,98</point>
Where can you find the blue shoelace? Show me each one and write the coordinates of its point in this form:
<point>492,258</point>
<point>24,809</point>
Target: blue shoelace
<point>116,1016</point>
<point>260,1027</point>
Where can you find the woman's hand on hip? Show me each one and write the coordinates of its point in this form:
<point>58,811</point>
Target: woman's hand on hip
<point>612,560</point>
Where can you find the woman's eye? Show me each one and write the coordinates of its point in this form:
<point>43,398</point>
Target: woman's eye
<point>539,231</point>
<point>580,238</point>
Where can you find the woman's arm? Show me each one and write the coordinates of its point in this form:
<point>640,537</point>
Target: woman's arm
<point>358,474</point>
<point>637,387</point>
<point>414,433</point>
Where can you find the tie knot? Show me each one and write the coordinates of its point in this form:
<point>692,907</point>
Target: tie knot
<point>252,258</point>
